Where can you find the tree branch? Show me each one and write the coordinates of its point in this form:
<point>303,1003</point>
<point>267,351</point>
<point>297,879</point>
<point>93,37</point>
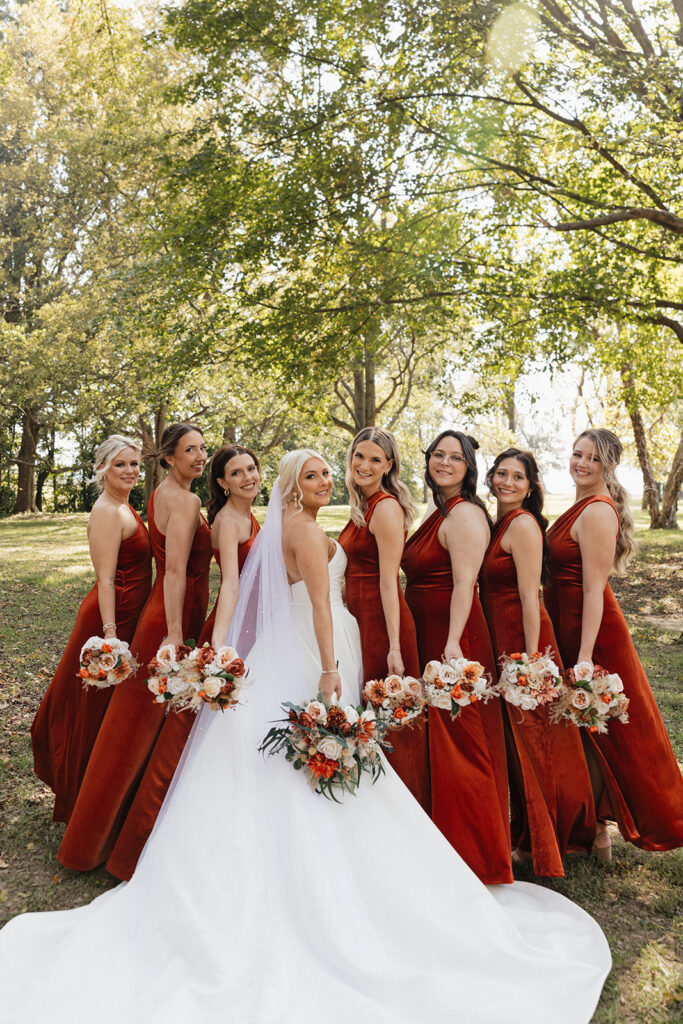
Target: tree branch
<point>662,217</point>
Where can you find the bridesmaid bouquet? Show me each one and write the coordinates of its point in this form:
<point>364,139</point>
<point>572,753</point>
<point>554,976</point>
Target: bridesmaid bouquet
<point>105,662</point>
<point>529,680</point>
<point>184,678</point>
<point>397,700</point>
<point>591,697</point>
<point>456,683</point>
<point>334,745</point>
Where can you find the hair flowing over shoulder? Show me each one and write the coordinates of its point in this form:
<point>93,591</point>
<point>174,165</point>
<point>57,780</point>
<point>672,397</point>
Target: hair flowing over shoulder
<point>609,449</point>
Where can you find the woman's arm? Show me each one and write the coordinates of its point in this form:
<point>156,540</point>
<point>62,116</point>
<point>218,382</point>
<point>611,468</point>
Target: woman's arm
<point>466,536</point>
<point>525,544</point>
<point>310,550</point>
<point>105,532</point>
<point>180,531</point>
<point>387,527</point>
<point>228,542</point>
<point>595,533</point>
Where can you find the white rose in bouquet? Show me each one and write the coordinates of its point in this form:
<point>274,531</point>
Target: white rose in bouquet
<point>442,700</point>
<point>431,671</point>
<point>212,686</point>
<point>317,712</point>
<point>449,675</point>
<point>330,748</point>
<point>351,715</point>
<point>166,658</point>
<point>108,661</point>
<point>176,684</point>
<point>583,671</point>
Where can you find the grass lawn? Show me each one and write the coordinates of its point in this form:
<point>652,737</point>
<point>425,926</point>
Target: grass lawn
<point>45,573</point>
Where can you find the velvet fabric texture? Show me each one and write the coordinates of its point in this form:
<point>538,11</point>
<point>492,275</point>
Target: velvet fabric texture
<point>467,760</point>
<point>66,724</point>
<point>363,599</point>
<point>550,790</point>
<point>643,787</point>
<point>242,552</point>
<point>138,745</point>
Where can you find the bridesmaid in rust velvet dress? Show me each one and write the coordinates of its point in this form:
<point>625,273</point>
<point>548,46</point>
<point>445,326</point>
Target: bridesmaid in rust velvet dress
<point>234,478</point>
<point>381,512</point>
<point>138,745</point>
<point>550,788</point>
<point>67,722</point>
<point>467,760</point>
<point>636,778</point>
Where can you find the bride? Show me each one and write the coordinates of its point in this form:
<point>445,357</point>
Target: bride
<point>257,901</point>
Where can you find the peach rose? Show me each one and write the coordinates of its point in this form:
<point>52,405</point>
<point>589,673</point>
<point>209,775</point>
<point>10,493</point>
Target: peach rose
<point>393,684</point>
<point>580,700</point>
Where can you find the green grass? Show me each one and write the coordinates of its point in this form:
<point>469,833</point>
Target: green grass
<point>45,573</point>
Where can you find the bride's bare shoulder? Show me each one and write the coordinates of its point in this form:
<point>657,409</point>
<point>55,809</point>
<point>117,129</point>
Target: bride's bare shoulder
<point>299,532</point>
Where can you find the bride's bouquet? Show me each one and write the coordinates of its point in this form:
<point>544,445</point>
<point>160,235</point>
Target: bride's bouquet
<point>397,700</point>
<point>590,697</point>
<point>185,678</point>
<point>455,683</point>
<point>105,662</point>
<point>529,680</point>
<point>334,745</point>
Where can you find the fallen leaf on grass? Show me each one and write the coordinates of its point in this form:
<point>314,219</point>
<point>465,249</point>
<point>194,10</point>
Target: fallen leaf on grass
<point>3,865</point>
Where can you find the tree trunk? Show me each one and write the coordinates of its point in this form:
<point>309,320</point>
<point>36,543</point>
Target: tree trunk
<point>511,408</point>
<point>667,516</point>
<point>650,491</point>
<point>26,460</point>
<point>46,469</point>
<point>151,439</point>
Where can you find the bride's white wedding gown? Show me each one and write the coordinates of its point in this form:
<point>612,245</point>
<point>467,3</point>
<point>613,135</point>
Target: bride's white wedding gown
<point>258,902</point>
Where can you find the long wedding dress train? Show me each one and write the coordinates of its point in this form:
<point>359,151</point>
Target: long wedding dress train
<point>258,902</point>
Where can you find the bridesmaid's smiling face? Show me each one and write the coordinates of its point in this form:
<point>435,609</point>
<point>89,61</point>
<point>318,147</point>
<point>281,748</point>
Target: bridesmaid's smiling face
<point>189,456</point>
<point>585,466</point>
<point>368,466</point>
<point>448,466</point>
<point>315,481</point>
<point>510,484</point>
<point>241,477</point>
<point>123,471</point>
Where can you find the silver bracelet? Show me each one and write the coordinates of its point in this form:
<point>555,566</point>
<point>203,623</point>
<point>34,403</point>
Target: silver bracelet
<point>329,671</point>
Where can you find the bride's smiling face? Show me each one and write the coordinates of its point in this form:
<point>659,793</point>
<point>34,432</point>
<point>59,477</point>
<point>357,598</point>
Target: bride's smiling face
<point>315,481</point>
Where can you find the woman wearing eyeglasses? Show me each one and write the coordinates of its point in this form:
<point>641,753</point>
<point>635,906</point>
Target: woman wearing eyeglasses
<point>441,561</point>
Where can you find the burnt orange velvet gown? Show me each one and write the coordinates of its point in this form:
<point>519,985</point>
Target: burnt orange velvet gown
<point>467,759</point>
<point>242,552</point>
<point>69,717</point>
<point>138,746</point>
<point>364,601</point>
<point>550,790</point>
<point>643,786</point>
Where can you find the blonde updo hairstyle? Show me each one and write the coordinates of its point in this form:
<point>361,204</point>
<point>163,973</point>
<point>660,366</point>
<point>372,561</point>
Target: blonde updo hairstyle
<point>106,453</point>
<point>289,472</point>
<point>391,482</point>
<point>609,450</point>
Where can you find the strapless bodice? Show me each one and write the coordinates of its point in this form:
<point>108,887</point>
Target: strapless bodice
<point>336,568</point>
